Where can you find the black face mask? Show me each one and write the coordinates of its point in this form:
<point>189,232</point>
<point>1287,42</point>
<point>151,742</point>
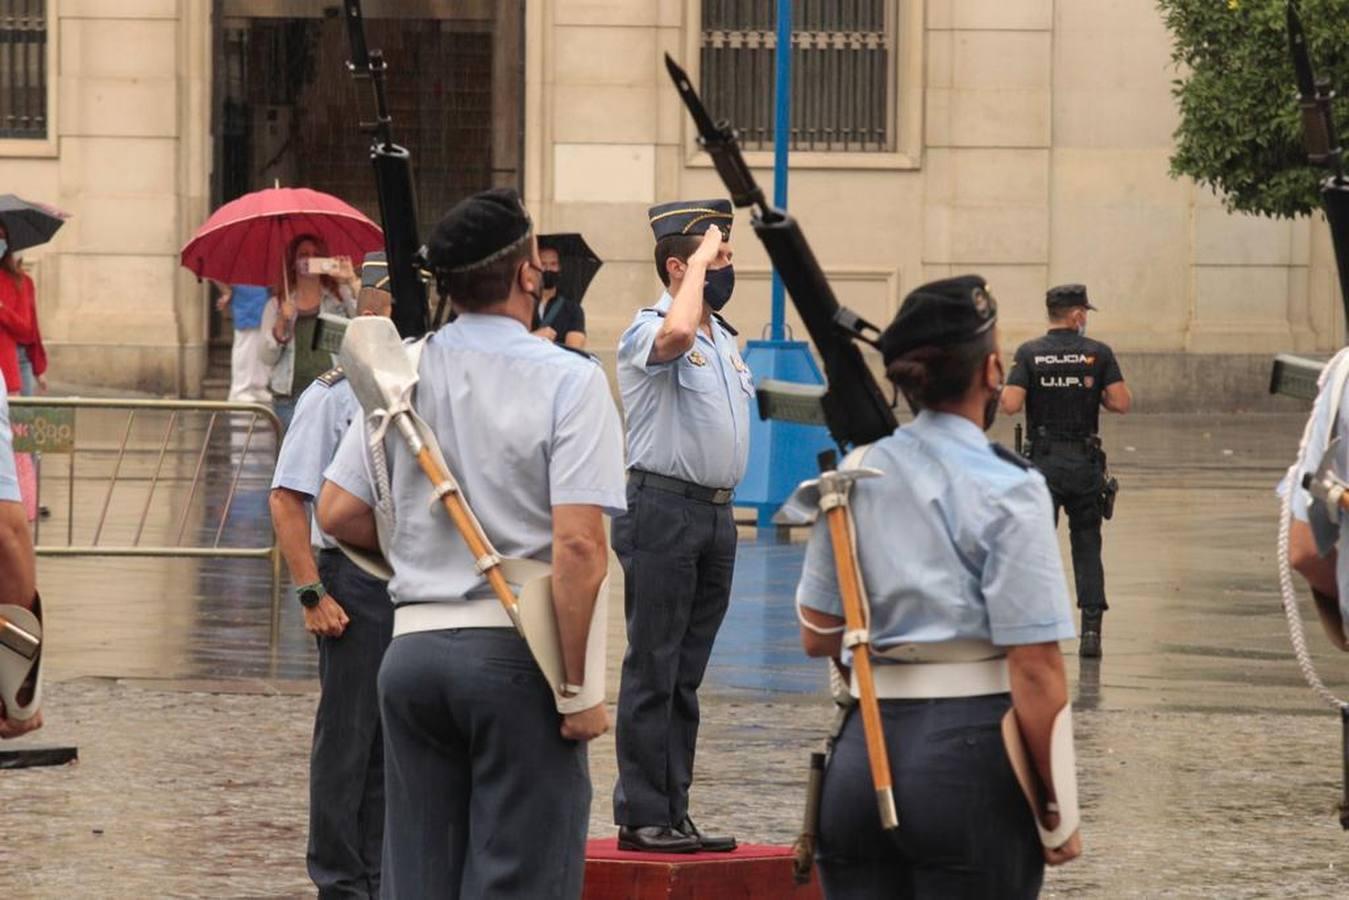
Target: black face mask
<point>550,279</point>
<point>717,290</point>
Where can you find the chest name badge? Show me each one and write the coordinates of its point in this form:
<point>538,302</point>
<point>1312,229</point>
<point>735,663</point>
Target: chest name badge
<point>696,358</point>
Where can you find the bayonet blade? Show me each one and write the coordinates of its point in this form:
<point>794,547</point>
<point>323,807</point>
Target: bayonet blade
<point>707,129</point>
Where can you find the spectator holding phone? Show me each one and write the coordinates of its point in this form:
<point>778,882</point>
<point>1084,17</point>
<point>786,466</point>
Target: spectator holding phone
<point>311,283</point>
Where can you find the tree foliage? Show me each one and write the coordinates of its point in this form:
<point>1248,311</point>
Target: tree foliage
<point>1240,129</point>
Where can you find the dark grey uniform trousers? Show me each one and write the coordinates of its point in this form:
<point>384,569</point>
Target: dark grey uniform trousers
<point>1076,481</point>
<point>486,799</point>
<point>965,829</point>
<point>346,764</point>
<point>678,556</point>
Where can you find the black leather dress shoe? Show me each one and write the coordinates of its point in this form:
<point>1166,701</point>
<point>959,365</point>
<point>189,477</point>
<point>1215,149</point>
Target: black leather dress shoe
<point>656,839</point>
<point>712,843</point>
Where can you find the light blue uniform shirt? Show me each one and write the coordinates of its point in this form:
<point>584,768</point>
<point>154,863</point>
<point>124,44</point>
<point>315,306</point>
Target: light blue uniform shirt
<point>9,478</point>
<point>688,418</point>
<point>1328,534</point>
<point>954,543</point>
<point>322,416</point>
<point>524,425</point>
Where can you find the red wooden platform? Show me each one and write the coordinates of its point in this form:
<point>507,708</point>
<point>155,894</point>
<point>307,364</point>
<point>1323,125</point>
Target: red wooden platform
<point>750,872</point>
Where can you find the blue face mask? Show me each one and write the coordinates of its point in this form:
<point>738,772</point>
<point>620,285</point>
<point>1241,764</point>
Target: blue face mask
<point>718,287</point>
<point>4,247</point>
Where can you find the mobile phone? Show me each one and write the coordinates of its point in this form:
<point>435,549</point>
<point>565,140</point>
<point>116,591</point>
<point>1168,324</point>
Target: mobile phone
<point>321,265</point>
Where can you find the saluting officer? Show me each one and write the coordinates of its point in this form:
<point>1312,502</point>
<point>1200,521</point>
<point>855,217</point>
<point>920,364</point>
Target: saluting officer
<point>488,792</point>
<point>1063,379</point>
<point>972,581</point>
<point>348,612</point>
<point>686,393</point>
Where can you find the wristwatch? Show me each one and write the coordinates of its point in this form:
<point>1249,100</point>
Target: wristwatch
<point>310,594</point>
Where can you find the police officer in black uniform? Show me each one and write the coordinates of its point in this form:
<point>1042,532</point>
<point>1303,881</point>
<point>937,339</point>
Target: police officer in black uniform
<point>1063,379</point>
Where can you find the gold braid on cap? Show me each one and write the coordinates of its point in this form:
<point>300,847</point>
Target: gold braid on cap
<point>706,214</point>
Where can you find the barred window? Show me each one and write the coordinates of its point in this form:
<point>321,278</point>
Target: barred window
<point>843,65</point>
<point>23,69</point>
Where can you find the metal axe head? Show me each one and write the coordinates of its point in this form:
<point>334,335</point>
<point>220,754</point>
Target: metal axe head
<point>1320,484</point>
<point>376,362</point>
<point>803,506</point>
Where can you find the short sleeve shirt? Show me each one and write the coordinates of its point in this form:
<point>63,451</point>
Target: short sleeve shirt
<point>688,417</point>
<point>323,414</point>
<point>976,558</point>
<point>9,478</point>
<point>523,424</point>
<point>1323,425</point>
<point>1064,375</point>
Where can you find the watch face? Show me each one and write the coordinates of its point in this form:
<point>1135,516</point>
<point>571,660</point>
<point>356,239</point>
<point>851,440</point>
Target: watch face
<point>309,598</point>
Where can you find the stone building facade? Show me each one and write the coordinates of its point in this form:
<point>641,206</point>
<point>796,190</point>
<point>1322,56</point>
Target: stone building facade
<point>1027,140</point>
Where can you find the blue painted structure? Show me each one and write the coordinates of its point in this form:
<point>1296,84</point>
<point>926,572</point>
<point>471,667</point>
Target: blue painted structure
<point>781,454</point>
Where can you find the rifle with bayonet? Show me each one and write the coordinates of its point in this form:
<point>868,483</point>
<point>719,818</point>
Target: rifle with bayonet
<point>1296,375</point>
<point>393,182</point>
<point>852,406</point>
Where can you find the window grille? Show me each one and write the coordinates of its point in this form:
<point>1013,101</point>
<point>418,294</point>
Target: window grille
<point>23,69</point>
<point>843,61</point>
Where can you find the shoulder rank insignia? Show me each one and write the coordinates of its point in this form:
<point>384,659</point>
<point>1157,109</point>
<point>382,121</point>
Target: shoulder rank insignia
<point>1015,459</point>
<point>332,376</point>
<point>696,358</point>
<point>739,364</point>
<point>579,352</point>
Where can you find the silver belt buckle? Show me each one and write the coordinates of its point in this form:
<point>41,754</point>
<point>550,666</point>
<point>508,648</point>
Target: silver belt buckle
<point>20,640</point>
<point>722,495</point>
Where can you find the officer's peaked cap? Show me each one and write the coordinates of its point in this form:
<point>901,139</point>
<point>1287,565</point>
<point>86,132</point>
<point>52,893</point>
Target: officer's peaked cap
<point>939,314</point>
<point>691,217</point>
<point>478,230</point>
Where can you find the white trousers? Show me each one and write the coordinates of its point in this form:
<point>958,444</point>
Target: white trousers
<point>248,375</point>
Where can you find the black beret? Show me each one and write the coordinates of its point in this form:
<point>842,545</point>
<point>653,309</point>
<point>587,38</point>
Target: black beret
<point>375,271</point>
<point>691,217</point>
<point>478,231</point>
<point>941,313</point>
<point>1067,295</point>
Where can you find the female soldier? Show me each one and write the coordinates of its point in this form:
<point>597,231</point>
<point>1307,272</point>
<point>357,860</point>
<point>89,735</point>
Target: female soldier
<point>970,579</point>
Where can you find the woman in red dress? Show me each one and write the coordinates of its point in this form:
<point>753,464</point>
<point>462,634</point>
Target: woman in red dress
<point>18,328</point>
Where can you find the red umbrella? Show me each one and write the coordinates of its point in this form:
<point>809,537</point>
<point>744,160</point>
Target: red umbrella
<point>245,241</point>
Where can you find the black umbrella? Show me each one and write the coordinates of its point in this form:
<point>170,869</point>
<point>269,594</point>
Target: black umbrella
<point>579,263</point>
<point>27,223</point>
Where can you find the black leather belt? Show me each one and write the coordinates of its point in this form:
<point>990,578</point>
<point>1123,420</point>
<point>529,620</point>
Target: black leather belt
<point>716,496</point>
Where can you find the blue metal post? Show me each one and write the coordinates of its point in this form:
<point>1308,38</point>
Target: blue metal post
<point>781,454</point>
<point>782,126</point>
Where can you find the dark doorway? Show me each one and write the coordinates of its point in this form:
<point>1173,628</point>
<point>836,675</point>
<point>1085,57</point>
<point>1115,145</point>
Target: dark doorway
<point>287,110</point>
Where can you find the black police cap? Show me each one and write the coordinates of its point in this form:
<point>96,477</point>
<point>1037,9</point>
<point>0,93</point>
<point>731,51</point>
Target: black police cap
<point>939,314</point>
<point>1065,296</point>
<point>478,231</point>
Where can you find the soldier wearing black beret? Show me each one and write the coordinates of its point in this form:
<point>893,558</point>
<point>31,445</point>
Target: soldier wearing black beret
<point>966,603</point>
<point>1062,380</point>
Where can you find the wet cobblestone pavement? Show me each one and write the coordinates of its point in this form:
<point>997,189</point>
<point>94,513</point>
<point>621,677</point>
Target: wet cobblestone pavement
<point>1207,769</point>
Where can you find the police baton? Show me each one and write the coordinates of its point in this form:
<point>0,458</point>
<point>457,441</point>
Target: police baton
<point>835,488</point>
